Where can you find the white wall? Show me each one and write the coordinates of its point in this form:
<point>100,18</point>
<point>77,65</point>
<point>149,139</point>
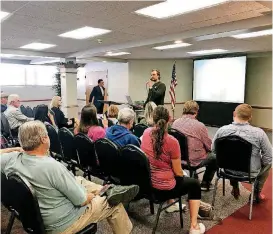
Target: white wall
<point>139,74</point>
<point>117,79</point>
<point>44,93</point>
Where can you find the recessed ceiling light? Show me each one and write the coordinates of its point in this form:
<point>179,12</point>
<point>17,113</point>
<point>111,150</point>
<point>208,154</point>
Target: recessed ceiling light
<point>3,15</point>
<point>213,51</point>
<point>37,46</point>
<point>171,46</point>
<point>254,34</point>
<point>177,41</point>
<point>116,54</point>
<point>85,32</point>
<point>172,8</point>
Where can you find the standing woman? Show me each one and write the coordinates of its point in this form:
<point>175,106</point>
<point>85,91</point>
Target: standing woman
<point>61,120</point>
<point>167,176</point>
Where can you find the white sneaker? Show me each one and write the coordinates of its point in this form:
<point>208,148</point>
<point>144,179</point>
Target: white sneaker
<point>175,208</point>
<point>201,230</point>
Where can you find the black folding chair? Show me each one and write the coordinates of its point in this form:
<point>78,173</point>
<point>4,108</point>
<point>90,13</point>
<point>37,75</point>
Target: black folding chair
<point>29,112</point>
<point>183,142</point>
<point>109,159</point>
<point>6,131</point>
<point>24,202</point>
<point>23,110</point>
<point>87,157</point>
<point>136,170</point>
<point>139,129</point>
<point>70,155</point>
<point>55,145</point>
<point>233,156</point>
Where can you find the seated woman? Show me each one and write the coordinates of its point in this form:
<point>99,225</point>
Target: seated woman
<point>113,114</point>
<point>164,155</point>
<point>61,120</point>
<point>148,114</point>
<point>42,113</point>
<point>89,123</point>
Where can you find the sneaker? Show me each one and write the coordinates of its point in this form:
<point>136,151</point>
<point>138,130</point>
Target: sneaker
<point>235,193</point>
<point>175,208</point>
<point>121,194</point>
<point>206,187</point>
<point>201,229</point>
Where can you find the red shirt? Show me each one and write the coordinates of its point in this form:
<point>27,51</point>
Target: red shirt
<point>199,143</point>
<point>161,169</point>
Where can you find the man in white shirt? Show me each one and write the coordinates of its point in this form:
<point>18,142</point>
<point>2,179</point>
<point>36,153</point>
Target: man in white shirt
<point>14,116</point>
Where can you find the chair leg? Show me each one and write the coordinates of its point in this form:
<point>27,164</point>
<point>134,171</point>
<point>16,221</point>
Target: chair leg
<point>152,209</point>
<point>11,221</point>
<point>180,211</point>
<point>224,187</point>
<point>251,202</point>
<point>214,192</point>
<point>157,217</point>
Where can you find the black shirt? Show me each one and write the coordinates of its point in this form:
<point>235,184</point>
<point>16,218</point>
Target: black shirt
<point>157,93</point>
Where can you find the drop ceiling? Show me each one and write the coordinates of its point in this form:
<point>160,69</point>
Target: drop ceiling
<point>43,21</point>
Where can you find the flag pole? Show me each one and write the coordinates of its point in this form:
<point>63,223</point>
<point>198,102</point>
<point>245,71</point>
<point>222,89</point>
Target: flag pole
<point>175,98</point>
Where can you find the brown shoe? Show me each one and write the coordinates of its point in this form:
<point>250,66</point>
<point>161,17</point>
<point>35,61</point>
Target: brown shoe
<point>235,193</point>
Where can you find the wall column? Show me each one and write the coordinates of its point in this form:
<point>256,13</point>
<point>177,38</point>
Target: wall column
<point>68,72</point>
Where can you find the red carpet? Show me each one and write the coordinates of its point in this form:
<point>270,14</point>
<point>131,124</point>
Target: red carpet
<point>261,222</point>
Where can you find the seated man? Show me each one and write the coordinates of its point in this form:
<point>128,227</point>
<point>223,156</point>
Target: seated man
<point>120,134</point>
<point>67,203</point>
<point>15,117</point>
<point>261,158</point>
<point>199,143</point>
<point>4,101</point>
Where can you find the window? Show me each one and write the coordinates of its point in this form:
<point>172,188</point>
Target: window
<point>13,74</point>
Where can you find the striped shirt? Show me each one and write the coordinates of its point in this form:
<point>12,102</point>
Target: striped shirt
<point>162,174</point>
<point>261,147</point>
<point>15,117</point>
<point>199,143</point>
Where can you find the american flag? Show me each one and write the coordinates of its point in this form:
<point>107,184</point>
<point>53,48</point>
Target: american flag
<point>172,87</point>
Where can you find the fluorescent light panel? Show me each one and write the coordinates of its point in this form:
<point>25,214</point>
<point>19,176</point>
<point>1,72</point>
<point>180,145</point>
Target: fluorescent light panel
<point>254,34</point>
<point>116,54</point>
<point>171,46</point>
<point>213,51</point>
<point>37,46</point>
<point>172,8</point>
<point>85,32</point>
<point>3,15</point>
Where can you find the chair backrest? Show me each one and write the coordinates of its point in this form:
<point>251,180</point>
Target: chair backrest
<point>183,142</point>
<point>55,145</point>
<point>233,153</point>
<point>68,145</point>
<point>86,151</point>
<point>109,157</point>
<point>139,129</point>
<point>24,202</point>
<point>29,112</point>
<point>136,169</point>
<point>23,109</point>
<point>5,191</point>
<point>5,127</point>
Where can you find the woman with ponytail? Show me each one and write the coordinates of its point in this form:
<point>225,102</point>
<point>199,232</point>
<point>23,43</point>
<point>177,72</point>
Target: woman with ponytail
<point>164,155</point>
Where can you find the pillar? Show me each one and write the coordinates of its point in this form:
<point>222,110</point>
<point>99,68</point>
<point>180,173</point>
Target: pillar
<point>68,71</point>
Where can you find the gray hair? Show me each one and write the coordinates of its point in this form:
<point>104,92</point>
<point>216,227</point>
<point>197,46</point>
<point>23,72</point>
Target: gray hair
<point>30,134</point>
<point>126,115</point>
<point>12,97</point>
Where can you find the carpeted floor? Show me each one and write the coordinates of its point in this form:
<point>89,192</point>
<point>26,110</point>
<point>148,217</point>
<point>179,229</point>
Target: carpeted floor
<point>143,221</point>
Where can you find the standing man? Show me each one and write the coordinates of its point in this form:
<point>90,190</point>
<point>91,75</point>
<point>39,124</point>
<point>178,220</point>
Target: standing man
<point>97,94</point>
<point>4,101</point>
<point>157,89</point>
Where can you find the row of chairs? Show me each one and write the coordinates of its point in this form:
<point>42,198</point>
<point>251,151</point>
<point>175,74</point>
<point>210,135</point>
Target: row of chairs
<point>103,159</point>
<point>18,196</point>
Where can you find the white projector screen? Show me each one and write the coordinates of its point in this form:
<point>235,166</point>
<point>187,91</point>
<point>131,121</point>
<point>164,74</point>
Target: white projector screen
<point>220,80</point>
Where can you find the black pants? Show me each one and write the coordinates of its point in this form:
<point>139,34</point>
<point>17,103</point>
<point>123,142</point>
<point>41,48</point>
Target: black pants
<point>211,167</point>
<point>184,185</point>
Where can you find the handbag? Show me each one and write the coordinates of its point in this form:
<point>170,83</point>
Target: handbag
<point>206,212</point>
